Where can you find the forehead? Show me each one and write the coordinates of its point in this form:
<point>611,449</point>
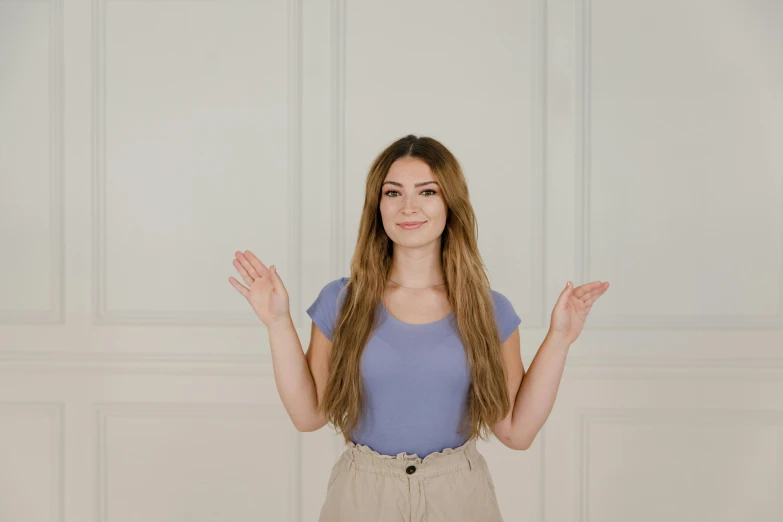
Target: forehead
<point>409,170</point>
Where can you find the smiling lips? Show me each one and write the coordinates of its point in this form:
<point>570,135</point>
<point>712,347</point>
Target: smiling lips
<point>411,225</point>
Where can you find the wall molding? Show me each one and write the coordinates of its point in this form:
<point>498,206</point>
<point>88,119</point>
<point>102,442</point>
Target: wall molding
<point>54,411</point>
<point>54,314</point>
<point>582,225</point>
<point>585,418</point>
<point>578,367</point>
<point>104,411</point>
<point>101,313</point>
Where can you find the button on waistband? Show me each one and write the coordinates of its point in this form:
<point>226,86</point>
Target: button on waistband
<point>410,470</point>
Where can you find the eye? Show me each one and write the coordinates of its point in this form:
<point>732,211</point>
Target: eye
<point>388,192</point>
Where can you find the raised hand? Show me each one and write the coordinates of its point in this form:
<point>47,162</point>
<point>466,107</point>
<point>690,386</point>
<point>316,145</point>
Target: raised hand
<point>267,294</point>
<point>572,307</point>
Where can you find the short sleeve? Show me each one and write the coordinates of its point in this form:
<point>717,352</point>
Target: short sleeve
<point>505,316</point>
<point>324,309</point>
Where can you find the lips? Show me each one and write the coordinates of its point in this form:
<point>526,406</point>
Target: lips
<point>411,225</point>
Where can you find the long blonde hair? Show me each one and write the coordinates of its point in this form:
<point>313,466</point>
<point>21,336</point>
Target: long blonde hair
<point>467,286</point>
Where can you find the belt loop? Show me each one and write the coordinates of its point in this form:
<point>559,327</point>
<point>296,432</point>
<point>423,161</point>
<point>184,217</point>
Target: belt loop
<point>469,458</point>
<point>471,454</point>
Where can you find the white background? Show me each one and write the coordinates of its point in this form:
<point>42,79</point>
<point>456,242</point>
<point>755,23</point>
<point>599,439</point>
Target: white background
<point>143,142</point>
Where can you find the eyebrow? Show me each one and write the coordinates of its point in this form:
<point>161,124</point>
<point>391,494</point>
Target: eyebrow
<point>416,185</point>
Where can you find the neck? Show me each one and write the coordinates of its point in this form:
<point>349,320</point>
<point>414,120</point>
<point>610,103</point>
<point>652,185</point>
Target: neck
<point>409,271</point>
<point>416,287</point>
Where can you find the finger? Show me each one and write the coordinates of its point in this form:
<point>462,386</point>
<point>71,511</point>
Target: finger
<point>590,298</point>
<point>247,266</point>
<point>585,288</point>
<point>257,264</point>
<point>241,269</point>
<point>276,278</point>
<point>239,286</point>
<point>595,286</point>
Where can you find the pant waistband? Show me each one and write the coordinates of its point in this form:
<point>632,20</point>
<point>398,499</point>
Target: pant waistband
<point>363,458</point>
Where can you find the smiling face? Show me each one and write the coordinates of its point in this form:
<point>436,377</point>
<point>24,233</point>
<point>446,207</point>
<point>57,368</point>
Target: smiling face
<point>410,193</point>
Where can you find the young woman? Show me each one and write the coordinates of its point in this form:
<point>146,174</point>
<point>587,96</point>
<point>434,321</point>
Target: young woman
<point>414,356</point>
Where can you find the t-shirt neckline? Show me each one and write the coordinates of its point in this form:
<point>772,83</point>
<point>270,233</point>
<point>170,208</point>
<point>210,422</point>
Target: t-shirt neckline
<point>422,326</point>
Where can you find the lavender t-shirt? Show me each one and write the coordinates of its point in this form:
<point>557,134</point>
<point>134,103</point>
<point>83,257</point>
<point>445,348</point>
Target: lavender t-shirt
<point>416,377</point>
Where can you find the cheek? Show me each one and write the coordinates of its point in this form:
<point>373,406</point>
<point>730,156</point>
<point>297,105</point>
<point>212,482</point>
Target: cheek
<point>389,205</point>
<point>386,209</point>
<point>436,210</point>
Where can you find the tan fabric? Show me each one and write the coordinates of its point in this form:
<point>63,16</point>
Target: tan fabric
<point>449,486</point>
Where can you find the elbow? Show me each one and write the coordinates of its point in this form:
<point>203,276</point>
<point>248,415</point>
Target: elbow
<point>522,445</point>
<point>303,427</point>
<point>312,425</point>
<point>300,426</point>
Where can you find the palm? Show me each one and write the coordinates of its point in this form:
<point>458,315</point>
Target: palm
<point>265,292</point>
<point>571,310</point>
<point>264,299</point>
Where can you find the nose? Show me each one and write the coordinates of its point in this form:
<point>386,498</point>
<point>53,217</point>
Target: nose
<point>409,204</point>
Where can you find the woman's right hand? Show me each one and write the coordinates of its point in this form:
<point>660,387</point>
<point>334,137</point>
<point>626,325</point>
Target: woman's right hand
<point>266,295</point>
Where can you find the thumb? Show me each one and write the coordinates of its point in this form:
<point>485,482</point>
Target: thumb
<point>276,281</point>
<point>563,299</point>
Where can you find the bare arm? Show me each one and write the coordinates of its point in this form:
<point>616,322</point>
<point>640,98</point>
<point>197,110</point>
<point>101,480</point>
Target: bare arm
<point>537,393</point>
<point>293,378</point>
<point>268,297</point>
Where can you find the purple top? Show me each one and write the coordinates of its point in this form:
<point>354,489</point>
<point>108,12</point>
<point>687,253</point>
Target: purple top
<point>416,376</point>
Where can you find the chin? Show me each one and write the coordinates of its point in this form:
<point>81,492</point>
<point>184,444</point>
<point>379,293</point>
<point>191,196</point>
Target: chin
<point>417,242</point>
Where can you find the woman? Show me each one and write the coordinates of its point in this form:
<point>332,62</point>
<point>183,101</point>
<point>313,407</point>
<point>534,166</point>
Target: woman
<point>413,356</point>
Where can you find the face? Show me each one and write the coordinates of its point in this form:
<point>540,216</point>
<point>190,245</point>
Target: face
<point>410,193</point>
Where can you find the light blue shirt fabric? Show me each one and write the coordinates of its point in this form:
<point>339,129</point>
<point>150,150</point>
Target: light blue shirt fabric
<point>416,377</point>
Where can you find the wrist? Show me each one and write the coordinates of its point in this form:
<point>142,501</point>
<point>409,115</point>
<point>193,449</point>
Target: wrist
<point>282,323</point>
<point>558,339</point>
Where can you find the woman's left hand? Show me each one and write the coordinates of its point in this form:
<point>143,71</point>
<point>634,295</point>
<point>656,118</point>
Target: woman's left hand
<point>571,309</point>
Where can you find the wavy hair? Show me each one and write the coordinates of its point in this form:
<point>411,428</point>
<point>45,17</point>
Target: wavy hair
<point>467,286</point>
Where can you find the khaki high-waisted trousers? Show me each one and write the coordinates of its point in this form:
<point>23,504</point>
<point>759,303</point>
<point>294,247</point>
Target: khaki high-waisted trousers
<point>453,485</point>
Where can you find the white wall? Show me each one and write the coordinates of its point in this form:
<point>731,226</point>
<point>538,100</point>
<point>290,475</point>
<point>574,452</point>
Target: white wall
<point>143,142</point>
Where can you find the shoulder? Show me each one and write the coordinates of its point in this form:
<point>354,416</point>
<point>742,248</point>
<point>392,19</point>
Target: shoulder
<point>500,301</point>
<point>336,285</point>
<point>324,309</point>
<point>332,290</point>
<point>505,315</point>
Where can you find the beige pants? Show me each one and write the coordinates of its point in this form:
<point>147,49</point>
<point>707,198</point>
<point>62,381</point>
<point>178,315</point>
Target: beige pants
<point>449,486</point>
